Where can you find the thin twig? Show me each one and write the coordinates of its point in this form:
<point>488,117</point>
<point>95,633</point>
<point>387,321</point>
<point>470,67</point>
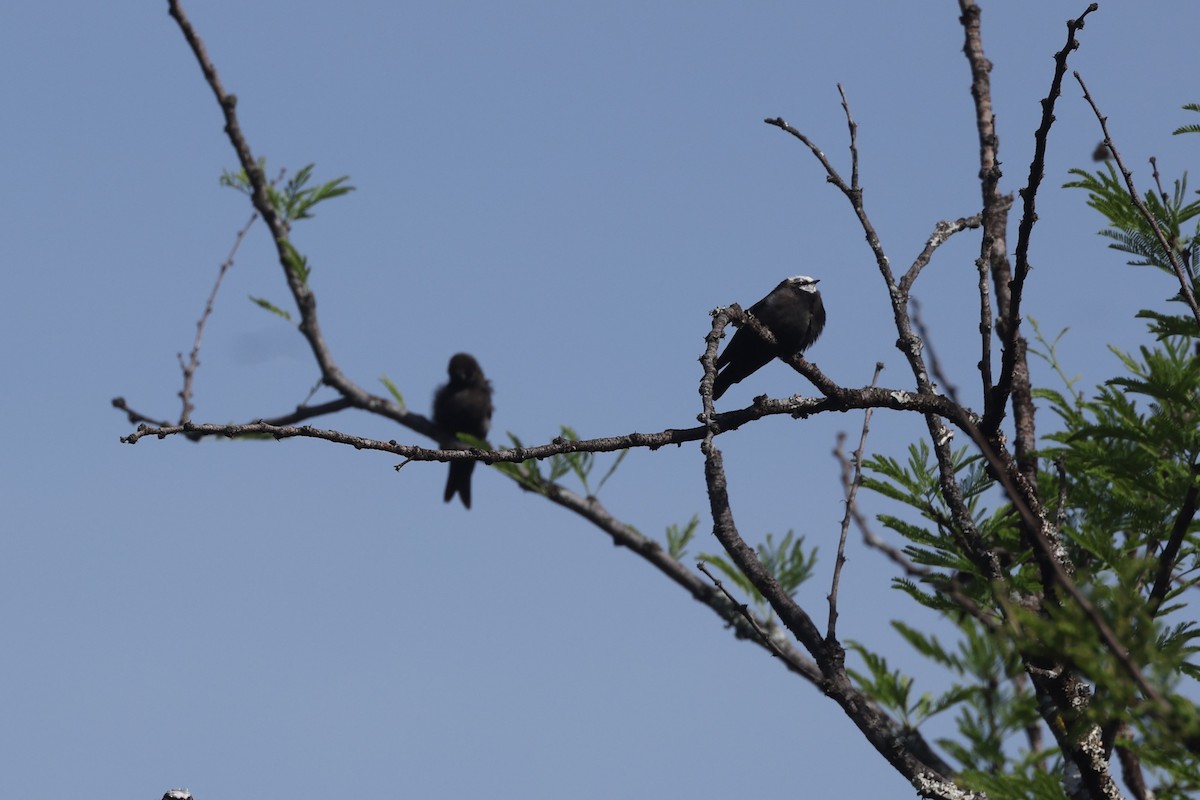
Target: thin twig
<point>851,490</point>
<point>935,363</point>
<point>1037,166</point>
<point>853,126</point>
<point>852,192</point>
<point>839,399</point>
<point>793,617</point>
<point>193,362</point>
<point>627,536</point>
<point>743,609</point>
<point>1157,180</point>
<point>137,417</point>
<point>941,233</point>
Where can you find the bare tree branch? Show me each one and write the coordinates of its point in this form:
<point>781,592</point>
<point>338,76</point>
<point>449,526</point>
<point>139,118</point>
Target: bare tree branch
<point>941,233</point>
<point>1014,368</point>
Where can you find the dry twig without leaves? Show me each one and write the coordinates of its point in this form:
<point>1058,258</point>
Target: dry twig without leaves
<point>851,489</point>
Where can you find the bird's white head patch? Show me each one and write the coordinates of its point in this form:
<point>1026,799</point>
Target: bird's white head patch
<point>804,282</point>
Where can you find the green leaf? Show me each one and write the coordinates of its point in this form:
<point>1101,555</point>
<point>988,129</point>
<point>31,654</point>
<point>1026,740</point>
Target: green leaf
<point>580,463</point>
<point>474,441</point>
<point>239,181</point>
<point>678,538</point>
<point>297,263</point>
<point>269,306</point>
<point>787,561</point>
<point>527,473</point>
<point>392,390</point>
<point>616,463</point>
<point>296,201</point>
<point>1191,128</point>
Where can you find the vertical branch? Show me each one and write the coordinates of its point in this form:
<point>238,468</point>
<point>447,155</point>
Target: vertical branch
<point>852,484</point>
<point>993,256</point>
<point>853,126</point>
<point>1014,371</point>
<point>193,363</point>
<point>985,328</point>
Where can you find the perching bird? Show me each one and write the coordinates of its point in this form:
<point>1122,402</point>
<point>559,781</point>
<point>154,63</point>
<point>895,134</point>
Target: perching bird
<point>793,312</point>
<point>177,794</point>
<point>463,405</point>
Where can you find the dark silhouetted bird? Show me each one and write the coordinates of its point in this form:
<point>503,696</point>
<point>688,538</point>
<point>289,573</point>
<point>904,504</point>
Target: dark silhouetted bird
<point>793,312</point>
<point>463,405</point>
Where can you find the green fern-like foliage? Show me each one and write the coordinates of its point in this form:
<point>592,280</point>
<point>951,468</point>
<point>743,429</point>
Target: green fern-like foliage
<point>786,559</point>
<point>1116,477</point>
<point>1128,229</point>
<point>1191,127</point>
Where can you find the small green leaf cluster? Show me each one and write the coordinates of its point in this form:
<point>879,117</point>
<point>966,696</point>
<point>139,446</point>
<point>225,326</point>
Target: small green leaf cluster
<point>1129,230</point>
<point>894,691</point>
<point>295,201</point>
<point>580,464</point>
<point>937,540</point>
<point>679,536</point>
<point>787,561</point>
<point>1130,450</point>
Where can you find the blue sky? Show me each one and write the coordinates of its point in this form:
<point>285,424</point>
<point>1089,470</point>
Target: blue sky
<point>565,191</point>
